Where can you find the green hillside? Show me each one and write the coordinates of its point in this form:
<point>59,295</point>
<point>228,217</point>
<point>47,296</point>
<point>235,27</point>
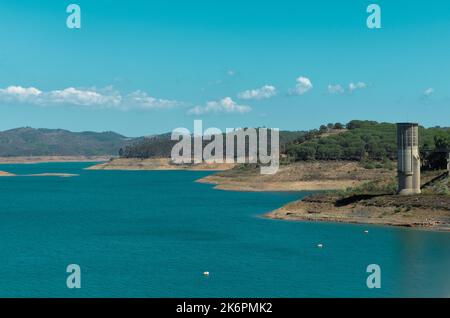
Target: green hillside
<point>363,140</point>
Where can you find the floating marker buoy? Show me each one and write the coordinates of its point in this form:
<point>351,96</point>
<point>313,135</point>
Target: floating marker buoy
<point>366,231</point>
<point>205,273</point>
<point>319,245</point>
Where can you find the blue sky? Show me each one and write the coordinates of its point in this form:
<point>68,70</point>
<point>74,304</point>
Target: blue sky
<point>144,67</point>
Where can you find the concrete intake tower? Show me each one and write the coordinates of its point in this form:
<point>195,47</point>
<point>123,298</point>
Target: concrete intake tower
<point>408,158</point>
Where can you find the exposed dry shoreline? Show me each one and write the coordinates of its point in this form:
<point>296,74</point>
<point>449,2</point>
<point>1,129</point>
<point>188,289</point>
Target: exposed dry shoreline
<point>51,174</point>
<point>48,174</point>
<point>6,174</point>
<point>276,186</point>
<point>156,164</point>
<point>301,176</point>
<point>43,159</point>
<point>427,211</point>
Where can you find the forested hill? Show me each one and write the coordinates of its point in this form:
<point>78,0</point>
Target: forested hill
<point>363,140</point>
<point>161,145</point>
<point>356,140</point>
<point>58,142</point>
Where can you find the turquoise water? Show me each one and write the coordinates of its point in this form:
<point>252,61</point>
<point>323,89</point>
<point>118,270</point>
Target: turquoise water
<point>153,234</point>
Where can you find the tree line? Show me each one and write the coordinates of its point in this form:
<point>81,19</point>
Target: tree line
<point>363,140</point>
<point>357,140</point>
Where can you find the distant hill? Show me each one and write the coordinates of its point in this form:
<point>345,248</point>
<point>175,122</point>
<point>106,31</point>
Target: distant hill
<point>161,145</point>
<point>58,142</point>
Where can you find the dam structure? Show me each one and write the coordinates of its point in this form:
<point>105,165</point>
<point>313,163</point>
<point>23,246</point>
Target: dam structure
<point>408,158</point>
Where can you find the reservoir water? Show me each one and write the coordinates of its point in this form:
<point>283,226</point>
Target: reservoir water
<point>154,233</point>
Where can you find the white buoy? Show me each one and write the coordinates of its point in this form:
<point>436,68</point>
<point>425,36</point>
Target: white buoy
<point>319,245</point>
<point>205,273</point>
<point>366,231</point>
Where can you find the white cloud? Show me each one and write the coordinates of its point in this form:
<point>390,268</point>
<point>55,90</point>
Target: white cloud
<point>267,91</point>
<point>335,89</point>
<point>70,96</point>
<point>339,89</point>
<point>142,100</point>
<point>353,87</point>
<point>226,105</point>
<point>303,85</point>
<point>19,93</point>
<point>105,98</point>
<point>80,97</point>
<point>428,92</point>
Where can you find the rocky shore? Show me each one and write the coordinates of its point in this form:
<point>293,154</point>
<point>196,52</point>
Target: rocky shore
<point>424,211</point>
